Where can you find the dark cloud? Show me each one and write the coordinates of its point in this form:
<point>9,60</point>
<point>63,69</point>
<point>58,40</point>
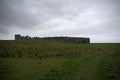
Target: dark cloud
<point>98,19</point>
<point>14,13</point>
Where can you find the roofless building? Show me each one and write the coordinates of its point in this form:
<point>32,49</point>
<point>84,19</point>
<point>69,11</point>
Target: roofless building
<point>61,39</point>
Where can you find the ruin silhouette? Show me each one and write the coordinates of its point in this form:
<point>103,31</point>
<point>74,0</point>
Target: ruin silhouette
<point>61,38</point>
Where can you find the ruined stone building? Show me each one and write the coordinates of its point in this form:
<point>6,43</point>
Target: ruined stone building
<point>61,39</point>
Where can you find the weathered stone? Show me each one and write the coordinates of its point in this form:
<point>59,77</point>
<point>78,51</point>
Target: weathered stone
<point>61,39</point>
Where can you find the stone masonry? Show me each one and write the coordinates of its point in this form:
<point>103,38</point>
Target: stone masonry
<point>61,39</point>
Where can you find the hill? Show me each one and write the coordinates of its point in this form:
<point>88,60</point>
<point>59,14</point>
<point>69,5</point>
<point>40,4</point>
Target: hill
<point>52,60</point>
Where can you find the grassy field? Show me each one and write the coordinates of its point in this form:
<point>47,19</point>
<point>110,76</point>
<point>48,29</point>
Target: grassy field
<point>52,60</point>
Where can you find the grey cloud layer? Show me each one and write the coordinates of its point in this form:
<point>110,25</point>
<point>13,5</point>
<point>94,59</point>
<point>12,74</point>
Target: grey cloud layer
<point>14,13</point>
<point>94,18</point>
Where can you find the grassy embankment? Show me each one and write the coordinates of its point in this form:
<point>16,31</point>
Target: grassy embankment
<point>51,60</point>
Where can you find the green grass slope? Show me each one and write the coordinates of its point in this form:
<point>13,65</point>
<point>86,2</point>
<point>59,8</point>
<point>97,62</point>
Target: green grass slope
<point>51,60</point>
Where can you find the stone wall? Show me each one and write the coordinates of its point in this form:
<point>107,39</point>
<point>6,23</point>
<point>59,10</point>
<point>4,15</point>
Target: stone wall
<point>61,39</point>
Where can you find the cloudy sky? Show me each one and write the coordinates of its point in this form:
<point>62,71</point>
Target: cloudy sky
<point>97,19</point>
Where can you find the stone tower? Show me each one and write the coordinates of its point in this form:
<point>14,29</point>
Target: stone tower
<point>17,37</point>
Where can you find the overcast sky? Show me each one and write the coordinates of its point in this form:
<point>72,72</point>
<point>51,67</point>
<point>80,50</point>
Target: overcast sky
<point>97,19</point>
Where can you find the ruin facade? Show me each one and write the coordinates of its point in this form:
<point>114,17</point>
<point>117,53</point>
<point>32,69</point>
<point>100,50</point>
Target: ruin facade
<point>61,39</point>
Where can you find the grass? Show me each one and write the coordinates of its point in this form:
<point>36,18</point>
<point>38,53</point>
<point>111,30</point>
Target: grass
<point>52,60</point>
